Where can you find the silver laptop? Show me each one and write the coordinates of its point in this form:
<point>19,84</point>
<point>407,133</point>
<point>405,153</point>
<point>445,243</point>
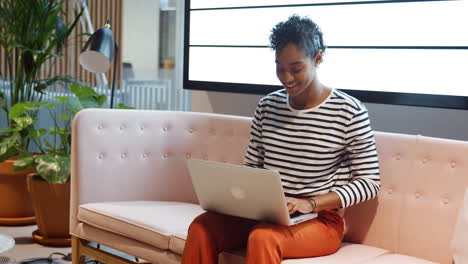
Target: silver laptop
<point>242,191</point>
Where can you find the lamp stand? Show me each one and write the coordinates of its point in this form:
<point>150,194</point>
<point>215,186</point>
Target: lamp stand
<point>116,58</point>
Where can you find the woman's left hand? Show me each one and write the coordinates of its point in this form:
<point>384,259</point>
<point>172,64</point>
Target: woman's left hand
<point>298,204</point>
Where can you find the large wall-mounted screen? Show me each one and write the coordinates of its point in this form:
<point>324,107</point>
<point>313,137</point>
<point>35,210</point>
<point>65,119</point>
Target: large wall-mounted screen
<point>394,52</point>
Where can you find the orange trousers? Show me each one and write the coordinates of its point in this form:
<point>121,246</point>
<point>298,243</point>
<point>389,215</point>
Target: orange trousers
<point>211,233</point>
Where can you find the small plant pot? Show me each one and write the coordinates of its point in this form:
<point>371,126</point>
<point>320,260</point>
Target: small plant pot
<point>15,203</point>
<point>52,207</point>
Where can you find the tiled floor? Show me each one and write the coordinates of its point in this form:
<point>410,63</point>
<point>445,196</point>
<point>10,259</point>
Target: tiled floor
<point>26,249</point>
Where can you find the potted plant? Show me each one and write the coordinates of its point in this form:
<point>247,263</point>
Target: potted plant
<point>32,36</point>
<point>49,186</point>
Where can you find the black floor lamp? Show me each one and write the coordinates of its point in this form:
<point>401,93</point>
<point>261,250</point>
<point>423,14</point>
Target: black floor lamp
<point>96,56</point>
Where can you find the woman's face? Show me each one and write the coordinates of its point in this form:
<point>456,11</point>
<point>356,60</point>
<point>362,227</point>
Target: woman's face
<point>295,70</point>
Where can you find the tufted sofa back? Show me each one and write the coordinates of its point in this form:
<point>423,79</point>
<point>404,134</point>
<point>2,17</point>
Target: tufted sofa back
<point>133,148</point>
<point>123,155</point>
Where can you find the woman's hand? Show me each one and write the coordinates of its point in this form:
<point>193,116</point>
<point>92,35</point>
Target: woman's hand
<point>299,204</point>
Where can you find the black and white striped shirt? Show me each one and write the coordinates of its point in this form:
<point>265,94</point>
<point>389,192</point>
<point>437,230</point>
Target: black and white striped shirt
<point>327,148</point>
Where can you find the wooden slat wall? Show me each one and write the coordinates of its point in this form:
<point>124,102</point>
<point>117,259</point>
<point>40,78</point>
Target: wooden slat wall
<point>100,11</point>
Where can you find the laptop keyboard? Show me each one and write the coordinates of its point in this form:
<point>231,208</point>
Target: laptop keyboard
<point>295,214</point>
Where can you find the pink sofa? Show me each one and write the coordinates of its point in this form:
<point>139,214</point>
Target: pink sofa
<point>131,190</point>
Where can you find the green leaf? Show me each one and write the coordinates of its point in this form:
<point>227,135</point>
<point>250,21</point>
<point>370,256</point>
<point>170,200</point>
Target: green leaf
<point>48,105</point>
<point>86,91</point>
<point>62,99</point>
<point>53,169</point>
<point>64,117</point>
<point>24,161</point>
<point>6,131</point>
<point>101,99</point>
<point>122,106</point>
<point>82,91</point>
<point>53,131</point>
<point>9,153</point>
<point>73,104</point>
<point>17,110</point>
<point>9,146</point>
<point>7,142</point>
<point>88,102</point>
<point>23,122</point>
<point>63,131</point>
<point>75,89</point>
<point>22,108</point>
<point>47,143</point>
<point>36,133</point>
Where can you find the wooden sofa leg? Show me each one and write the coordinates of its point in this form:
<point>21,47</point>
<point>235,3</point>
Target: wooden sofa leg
<point>77,257</point>
<point>81,250</point>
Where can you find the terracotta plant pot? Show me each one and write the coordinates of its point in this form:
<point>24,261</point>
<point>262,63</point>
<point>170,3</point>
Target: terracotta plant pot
<point>15,203</point>
<point>52,207</point>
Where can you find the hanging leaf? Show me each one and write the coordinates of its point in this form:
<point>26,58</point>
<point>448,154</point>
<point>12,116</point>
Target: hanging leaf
<point>101,99</point>
<point>23,122</point>
<point>73,104</point>
<point>62,99</point>
<point>9,153</point>
<point>74,88</point>
<point>53,169</point>
<point>20,109</point>
<point>24,161</point>
<point>83,91</point>
<point>37,133</point>
<point>8,145</point>
<point>88,102</point>
<point>53,130</point>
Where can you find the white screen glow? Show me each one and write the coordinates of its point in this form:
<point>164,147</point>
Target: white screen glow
<point>404,47</point>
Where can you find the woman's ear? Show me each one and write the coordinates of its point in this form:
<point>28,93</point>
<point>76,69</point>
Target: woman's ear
<point>318,58</point>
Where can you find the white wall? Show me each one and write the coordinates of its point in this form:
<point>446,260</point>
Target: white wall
<point>140,42</point>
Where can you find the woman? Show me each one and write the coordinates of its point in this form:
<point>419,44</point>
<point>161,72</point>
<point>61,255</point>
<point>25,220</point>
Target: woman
<point>321,142</point>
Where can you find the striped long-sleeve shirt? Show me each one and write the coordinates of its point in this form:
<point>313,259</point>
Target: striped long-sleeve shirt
<point>327,148</point>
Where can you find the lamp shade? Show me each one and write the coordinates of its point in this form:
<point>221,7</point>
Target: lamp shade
<point>96,55</point>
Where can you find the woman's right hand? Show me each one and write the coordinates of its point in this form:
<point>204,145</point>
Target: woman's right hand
<point>298,204</point>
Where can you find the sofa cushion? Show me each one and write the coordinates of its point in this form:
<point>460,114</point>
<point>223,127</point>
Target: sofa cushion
<point>397,259</point>
<point>177,244</point>
<point>348,253</point>
<point>460,235</point>
<point>150,222</point>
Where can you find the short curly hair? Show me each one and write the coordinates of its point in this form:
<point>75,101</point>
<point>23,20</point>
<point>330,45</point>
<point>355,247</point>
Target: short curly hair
<point>301,31</point>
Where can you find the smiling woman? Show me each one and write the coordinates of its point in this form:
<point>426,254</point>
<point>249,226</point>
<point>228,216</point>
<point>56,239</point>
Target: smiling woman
<point>318,139</point>
<point>371,54</point>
